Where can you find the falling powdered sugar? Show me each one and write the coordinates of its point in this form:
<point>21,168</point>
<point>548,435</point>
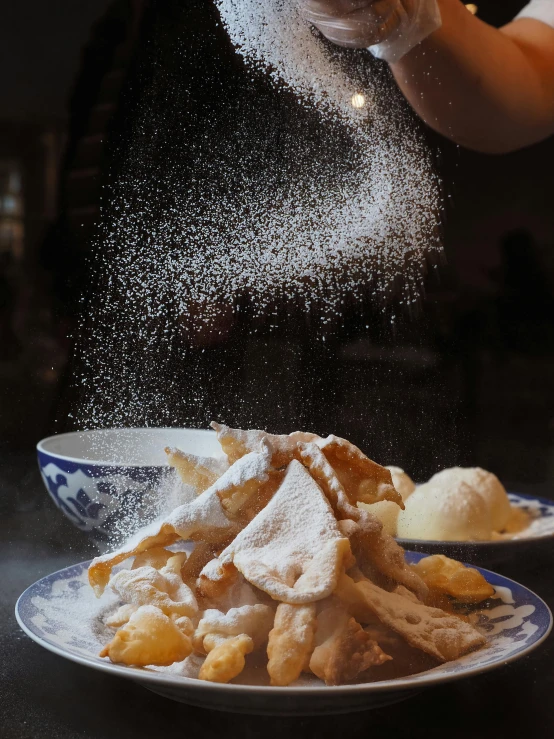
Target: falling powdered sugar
<point>373,218</point>
<point>285,171</point>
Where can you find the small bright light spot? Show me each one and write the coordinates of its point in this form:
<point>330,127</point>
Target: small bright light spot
<point>472,8</point>
<point>358,100</point>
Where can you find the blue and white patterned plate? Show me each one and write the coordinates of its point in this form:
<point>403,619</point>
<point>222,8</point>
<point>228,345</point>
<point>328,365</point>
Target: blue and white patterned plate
<point>538,534</point>
<point>61,614</point>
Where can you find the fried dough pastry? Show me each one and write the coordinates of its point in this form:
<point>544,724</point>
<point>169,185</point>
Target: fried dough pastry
<point>373,546</point>
<point>231,590</point>
<point>204,518</point>
<point>362,479</point>
<point>287,554</point>
<point>262,496</point>
<point>149,638</point>
<point>236,443</point>
<point>163,589</point>
<point>293,550</point>
<point>291,642</point>
<point>432,630</point>
<point>196,561</point>
<point>402,482</point>
<point>325,476</point>
<point>198,472</point>
<point>256,621</point>
<point>121,616</point>
<point>343,649</point>
<point>156,557</point>
<point>445,576</point>
<point>216,578</point>
<point>368,538</point>
<point>226,659</point>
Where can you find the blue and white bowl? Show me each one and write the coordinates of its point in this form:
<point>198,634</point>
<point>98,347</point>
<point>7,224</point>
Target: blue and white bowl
<point>108,481</point>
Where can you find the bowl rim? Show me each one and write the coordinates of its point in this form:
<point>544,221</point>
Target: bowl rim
<point>98,463</point>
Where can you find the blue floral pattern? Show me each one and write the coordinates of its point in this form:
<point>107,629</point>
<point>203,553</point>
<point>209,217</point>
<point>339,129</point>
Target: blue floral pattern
<point>516,622</point>
<point>98,499</point>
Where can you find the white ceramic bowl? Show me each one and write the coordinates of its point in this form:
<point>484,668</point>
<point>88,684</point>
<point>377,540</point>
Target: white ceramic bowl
<point>107,481</point>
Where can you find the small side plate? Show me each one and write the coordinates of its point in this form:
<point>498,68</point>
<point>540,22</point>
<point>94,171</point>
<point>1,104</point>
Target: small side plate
<point>539,534</point>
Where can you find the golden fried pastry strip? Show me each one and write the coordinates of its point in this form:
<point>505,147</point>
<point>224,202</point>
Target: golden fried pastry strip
<point>226,659</point>
<point>445,576</point>
<point>252,472</point>
<point>149,638</point>
<point>153,536</point>
<point>442,635</point>
<point>322,472</point>
<point>196,561</point>
<point>291,642</point>
<point>215,579</point>
<point>368,538</point>
<point>236,443</point>
<point>156,557</point>
<point>363,480</point>
<point>262,496</point>
<point>198,472</point>
<point>254,620</point>
<point>343,649</point>
<point>371,544</point>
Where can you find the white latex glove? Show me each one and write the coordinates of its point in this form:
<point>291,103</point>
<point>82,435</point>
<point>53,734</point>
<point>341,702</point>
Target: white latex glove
<point>389,28</point>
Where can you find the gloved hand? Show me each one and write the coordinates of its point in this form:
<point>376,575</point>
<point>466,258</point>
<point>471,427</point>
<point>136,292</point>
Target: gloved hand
<point>389,28</point>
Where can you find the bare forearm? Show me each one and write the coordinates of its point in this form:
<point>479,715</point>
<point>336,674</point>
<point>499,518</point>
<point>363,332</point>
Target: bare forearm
<point>484,88</point>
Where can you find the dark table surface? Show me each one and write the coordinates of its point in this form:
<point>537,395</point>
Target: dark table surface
<point>43,695</point>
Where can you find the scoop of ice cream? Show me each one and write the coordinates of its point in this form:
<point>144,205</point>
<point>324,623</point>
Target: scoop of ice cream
<point>401,481</point>
<point>486,484</point>
<point>386,511</point>
<point>453,513</point>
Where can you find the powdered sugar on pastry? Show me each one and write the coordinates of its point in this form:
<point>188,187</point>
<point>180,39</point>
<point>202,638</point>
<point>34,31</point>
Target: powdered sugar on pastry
<point>256,621</point>
<point>369,539</point>
<point>343,649</point>
<point>432,630</point>
<point>287,523</point>
<point>363,479</point>
<point>236,443</point>
<point>121,616</point>
<point>147,586</point>
<point>293,550</point>
<point>205,516</point>
<point>199,472</point>
<point>149,637</point>
<point>224,587</point>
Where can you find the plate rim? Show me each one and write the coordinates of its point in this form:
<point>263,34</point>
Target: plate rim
<point>498,543</point>
<point>398,684</point>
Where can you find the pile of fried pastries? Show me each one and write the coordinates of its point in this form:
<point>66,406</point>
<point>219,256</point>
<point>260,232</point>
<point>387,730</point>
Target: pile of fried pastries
<point>285,563</point>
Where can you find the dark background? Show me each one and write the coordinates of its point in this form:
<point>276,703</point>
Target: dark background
<point>467,378</point>
<point>474,362</point>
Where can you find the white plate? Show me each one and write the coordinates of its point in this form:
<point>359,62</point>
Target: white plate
<point>61,614</point>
